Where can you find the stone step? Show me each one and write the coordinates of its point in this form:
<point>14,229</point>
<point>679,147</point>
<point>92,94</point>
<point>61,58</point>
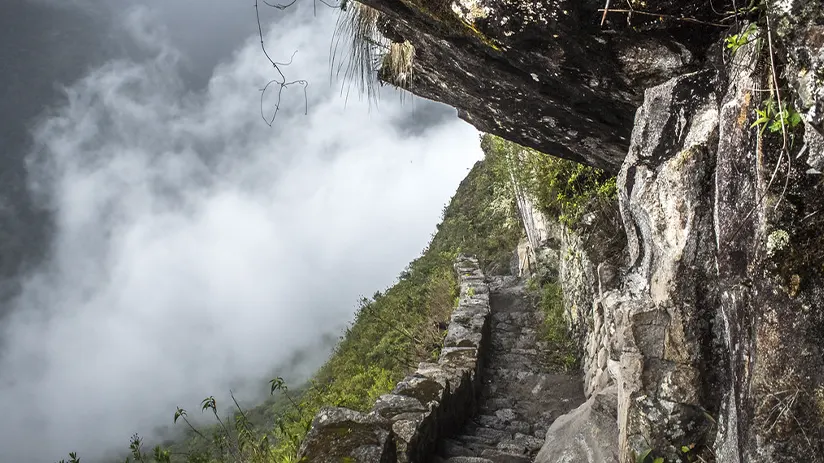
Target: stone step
<point>498,456</point>
<point>521,394</point>
<point>452,448</point>
<point>498,403</point>
<point>468,460</point>
<point>521,444</point>
<point>482,433</point>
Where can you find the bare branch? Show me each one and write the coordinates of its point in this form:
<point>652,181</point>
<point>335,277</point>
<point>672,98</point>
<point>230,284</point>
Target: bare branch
<point>277,6</point>
<point>280,80</point>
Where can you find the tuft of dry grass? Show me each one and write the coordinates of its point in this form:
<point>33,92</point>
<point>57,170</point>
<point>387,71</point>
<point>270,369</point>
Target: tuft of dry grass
<point>357,48</point>
<point>396,68</point>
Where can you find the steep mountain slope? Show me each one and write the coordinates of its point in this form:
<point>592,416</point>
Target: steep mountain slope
<point>706,312</point>
<point>696,304</point>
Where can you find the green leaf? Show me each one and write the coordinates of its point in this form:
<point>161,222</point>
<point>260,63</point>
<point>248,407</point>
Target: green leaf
<point>179,413</point>
<point>795,119</point>
<point>277,384</point>
<point>208,403</point>
<point>658,460</point>
<point>643,456</point>
<point>761,120</point>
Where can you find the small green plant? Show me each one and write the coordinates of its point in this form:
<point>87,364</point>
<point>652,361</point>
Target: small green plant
<point>72,458</point>
<point>687,450</point>
<point>644,457</point>
<point>470,292</point>
<point>769,117</point>
<point>159,455</point>
<point>554,330</point>
<point>736,41</point>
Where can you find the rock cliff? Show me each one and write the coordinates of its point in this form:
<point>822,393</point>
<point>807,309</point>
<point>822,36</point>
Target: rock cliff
<point>709,323</point>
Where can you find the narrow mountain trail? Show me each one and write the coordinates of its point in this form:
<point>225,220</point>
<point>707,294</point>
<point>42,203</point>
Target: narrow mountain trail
<point>522,393</point>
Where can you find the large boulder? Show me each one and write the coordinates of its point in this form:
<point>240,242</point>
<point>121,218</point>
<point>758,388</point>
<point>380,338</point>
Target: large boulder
<point>339,434</point>
<point>588,434</point>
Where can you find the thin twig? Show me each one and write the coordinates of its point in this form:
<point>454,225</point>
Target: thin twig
<point>281,79</point>
<point>278,6</point>
<point>604,17</point>
<point>668,16</point>
<point>242,413</point>
<point>785,147</point>
<point>810,215</point>
<point>735,8</point>
<point>186,420</point>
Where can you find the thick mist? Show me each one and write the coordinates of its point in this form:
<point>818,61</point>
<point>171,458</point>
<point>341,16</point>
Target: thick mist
<point>196,249</point>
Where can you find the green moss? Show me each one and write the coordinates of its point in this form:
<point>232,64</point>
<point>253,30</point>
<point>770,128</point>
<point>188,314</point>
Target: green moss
<point>554,329</point>
<point>479,35</point>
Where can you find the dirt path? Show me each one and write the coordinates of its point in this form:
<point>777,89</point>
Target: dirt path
<point>522,393</point>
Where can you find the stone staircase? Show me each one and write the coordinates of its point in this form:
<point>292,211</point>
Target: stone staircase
<point>522,393</point>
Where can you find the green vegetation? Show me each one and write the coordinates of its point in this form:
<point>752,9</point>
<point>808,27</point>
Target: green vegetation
<point>562,188</point>
<point>736,41</point>
<point>774,115</point>
<point>769,117</point>
<point>688,453</point>
<point>554,330</point>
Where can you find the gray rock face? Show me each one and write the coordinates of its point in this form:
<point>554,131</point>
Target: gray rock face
<point>699,209</point>
<point>712,328</point>
<point>667,294</point>
<point>542,73</point>
<point>588,434</point>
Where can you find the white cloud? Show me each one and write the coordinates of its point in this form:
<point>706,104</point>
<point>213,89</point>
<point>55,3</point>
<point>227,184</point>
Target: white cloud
<point>195,246</point>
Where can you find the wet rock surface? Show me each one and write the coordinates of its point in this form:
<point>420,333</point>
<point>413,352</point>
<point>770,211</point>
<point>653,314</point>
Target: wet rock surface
<point>522,393</point>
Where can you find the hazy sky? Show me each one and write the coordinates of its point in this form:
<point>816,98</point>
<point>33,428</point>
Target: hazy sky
<point>194,247</point>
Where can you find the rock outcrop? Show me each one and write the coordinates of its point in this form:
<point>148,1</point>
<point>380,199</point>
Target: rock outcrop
<point>588,434</point>
<point>544,73</point>
<point>710,323</point>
